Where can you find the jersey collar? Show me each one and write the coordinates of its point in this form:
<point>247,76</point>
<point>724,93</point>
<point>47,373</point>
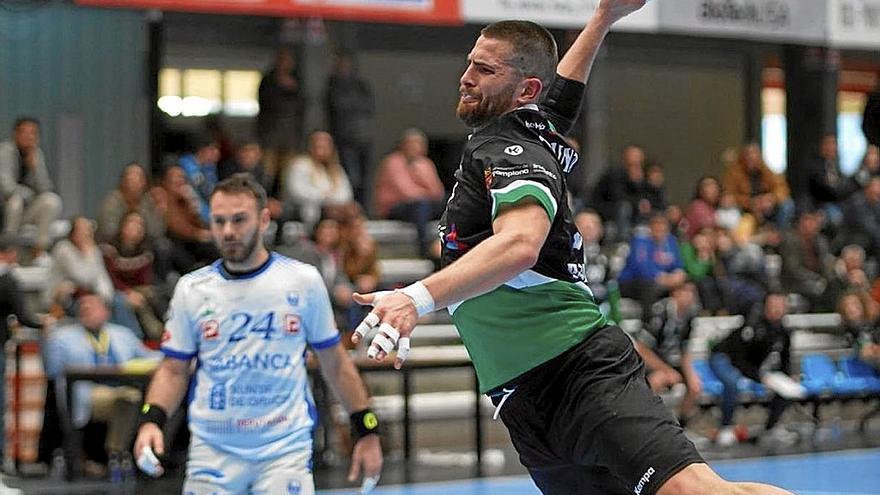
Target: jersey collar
<point>221,269</point>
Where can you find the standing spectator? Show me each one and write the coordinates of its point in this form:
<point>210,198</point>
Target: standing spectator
<point>806,261</point>
<point>862,211</point>
<point>200,168</point>
<point>408,187</point>
<point>316,183</point>
<point>617,193</point>
<point>700,212</point>
<point>129,260</point>
<point>663,344</point>
<point>351,111</point>
<point>25,187</point>
<point>653,266</point>
<point>279,123</point>
<point>130,195</point>
<point>870,165</point>
<point>93,342</point>
<point>757,189</point>
<point>827,186</point>
<point>248,159</point>
<point>761,346</point>
<point>191,245</point>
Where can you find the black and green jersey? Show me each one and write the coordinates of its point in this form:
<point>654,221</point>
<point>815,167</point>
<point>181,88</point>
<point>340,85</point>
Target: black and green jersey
<point>548,309</point>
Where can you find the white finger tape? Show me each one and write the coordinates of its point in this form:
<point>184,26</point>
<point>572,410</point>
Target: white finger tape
<point>369,484</point>
<point>403,348</point>
<point>390,331</point>
<point>367,324</point>
<point>149,463</point>
<point>383,343</point>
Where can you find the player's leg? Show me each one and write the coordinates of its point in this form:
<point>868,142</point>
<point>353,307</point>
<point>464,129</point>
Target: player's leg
<point>289,474</point>
<point>212,472</point>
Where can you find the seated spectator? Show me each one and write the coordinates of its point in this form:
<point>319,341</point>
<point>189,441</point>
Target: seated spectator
<point>663,344</point>
<point>316,183</point>
<point>91,342</point>
<point>653,266</point>
<point>130,195</point>
<point>249,160</point>
<point>360,262</point>
<point>618,191</point>
<point>849,273</point>
<point>596,266</point>
<point>653,196</point>
<point>862,211</point>
<point>129,261</point>
<point>701,211</point>
<point>702,268</point>
<point>408,187</point>
<point>827,186</point>
<point>191,242</point>
<point>869,167</point>
<point>807,260</point>
<point>78,267</point>
<point>200,168</point>
<point>862,331</point>
<point>761,346</point>
<point>757,189</point>
<point>26,190</point>
<point>742,264</point>
<point>728,215</point>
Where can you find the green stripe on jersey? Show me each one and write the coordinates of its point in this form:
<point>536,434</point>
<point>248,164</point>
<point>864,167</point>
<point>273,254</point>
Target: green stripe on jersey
<point>510,331</point>
<point>522,190</point>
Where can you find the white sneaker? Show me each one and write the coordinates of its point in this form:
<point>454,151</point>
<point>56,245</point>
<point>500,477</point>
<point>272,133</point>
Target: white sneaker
<point>780,436</point>
<point>726,437</point>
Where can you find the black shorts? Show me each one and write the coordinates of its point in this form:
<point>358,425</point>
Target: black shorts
<point>587,422</point>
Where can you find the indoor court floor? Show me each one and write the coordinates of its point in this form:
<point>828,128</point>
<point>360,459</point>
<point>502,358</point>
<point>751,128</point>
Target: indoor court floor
<point>834,473</point>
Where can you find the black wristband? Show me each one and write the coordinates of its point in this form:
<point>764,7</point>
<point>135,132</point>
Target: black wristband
<point>364,423</point>
<point>151,413</point>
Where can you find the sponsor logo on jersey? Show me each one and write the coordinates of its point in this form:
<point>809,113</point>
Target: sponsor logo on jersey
<point>514,150</point>
<point>217,397</point>
<point>536,125</point>
<point>511,172</point>
<point>292,324</point>
<point>540,169</point>
<point>293,299</point>
<point>258,361</point>
<point>645,479</point>
<point>294,487</point>
<point>210,330</point>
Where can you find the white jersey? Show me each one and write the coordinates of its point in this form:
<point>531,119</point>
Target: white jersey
<point>250,396</point>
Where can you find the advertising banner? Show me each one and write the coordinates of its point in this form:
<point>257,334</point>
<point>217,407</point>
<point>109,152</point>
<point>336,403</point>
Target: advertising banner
<point>854,23</point>
<point>571,14</point>
<point>402,11</point>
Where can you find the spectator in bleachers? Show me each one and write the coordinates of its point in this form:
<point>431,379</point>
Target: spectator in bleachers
<point>807,261</point>
<point>280,121</point>
<point>130,195</point>
<point>200,168</point>
<point>129,260</point>
<point>728,216</point>
<point>596,265</point>
<point>744,271</point>
<point>351,111</point>
<point>762,345</point>
<point>26,190</point>
<point>663,344</point>
<point>862,331</point>
<point>408,187</point>
<point>618,191</point>
<point>757,189</point>
<point>653,196</point>
<point>653,266</point>
<point>702,267</point>
<point>93,342</point>
<point>827,186</point>
<point>248,159</point>
<point>360,262</point>
<point>316,184</point>
<point>700,212</point>
<point>850,273</point>
<point>216,129</point>
<point>78,267</point>
<point>191,242</point>
<point>327,238</point>
<point>869,166</point>
<point>862,211</point>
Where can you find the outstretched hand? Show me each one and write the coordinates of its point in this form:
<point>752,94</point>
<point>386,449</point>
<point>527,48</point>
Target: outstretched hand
<point>615,10</point>
<point>395,314</point>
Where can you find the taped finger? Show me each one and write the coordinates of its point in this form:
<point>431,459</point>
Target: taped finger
<point>402,349</point>
<point>367,324</point>
<point>383,343</point>
<point>390,331</point>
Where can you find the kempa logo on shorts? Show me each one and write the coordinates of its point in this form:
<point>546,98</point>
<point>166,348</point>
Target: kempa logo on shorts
<point>644,481</point>
<point>514,150</point>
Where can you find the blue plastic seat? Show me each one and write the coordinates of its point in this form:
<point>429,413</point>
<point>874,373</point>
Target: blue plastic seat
<point>819,374</point>
<point>861,374</point>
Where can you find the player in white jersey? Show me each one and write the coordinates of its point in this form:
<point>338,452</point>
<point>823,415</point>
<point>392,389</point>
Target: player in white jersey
<point>242,326</point>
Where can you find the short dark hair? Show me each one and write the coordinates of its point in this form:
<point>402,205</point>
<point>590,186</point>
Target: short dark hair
<point>534,52</point>
<point>242,183</point>
<point>20,121</point>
